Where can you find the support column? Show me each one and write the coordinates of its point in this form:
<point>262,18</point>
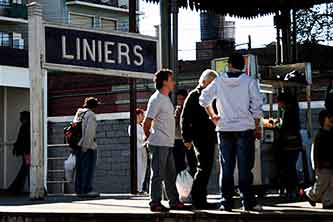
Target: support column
<point>36,45</point>
<point>165,33</point>
<point>132,86</point>
<point>174,48</point>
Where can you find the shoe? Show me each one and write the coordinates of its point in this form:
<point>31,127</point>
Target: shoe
<point>328,207</point>
<point>205,206</point>
<point>225,208</point>
<point>158,208</point>
<point>256,207</point>
<point>179,206</point>
<point>92,194</point>
<point>311,202</point>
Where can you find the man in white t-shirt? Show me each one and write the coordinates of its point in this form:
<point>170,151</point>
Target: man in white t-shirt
<point>159,128</point>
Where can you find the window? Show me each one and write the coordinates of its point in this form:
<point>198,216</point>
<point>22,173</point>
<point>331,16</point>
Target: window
<point>18,41</point>
<point>108,24</point>
<point>4,3</point>
<point>17,2</point>
<point>5,39</point>
<point>81,20</point>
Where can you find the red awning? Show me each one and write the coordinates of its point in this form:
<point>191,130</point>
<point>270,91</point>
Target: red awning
<point>246,9</point>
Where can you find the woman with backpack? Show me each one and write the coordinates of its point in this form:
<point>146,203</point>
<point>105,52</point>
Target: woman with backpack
<point>86,154</point>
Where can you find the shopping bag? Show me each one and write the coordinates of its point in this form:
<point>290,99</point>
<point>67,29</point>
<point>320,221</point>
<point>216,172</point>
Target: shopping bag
<point>69,166</point>
<point>184,183</point>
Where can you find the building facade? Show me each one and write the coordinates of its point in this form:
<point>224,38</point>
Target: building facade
<point>105,15</point>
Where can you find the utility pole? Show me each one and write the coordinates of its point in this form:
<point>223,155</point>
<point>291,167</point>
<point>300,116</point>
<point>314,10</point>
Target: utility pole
<point>36,51</point>
<point>132,86</point>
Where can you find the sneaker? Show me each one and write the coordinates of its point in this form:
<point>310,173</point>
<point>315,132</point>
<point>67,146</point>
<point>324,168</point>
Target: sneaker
<point>158,208</point>
<point>225,208</point>
<point>256,207</point>
<point>311,202</point>
<point>205,206</point>
<point>92,194</point>
<point>179,206</point>
<point>328,207</point>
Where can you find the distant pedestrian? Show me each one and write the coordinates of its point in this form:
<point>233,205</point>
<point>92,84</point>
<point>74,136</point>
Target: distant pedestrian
<point>22,148</point>
<point>199,135</point>
<point>289,144</point>
<point>86,156</point>
<point>322,191</point>
<point>239,105</point>
<point>184,158</point>
<point>141,150</point>
<point>159,128</point>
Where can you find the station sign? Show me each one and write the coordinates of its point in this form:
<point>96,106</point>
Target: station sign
<point>90,51</point>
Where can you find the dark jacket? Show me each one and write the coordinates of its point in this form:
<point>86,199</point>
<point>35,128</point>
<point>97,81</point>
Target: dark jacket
<point>22,144</point>
<point>290,137</point>
<point>323,150</point>
<point>195,123</point>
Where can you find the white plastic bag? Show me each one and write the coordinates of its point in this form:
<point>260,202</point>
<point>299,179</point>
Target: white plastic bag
<point>69,166</point>
<point>184,183</point>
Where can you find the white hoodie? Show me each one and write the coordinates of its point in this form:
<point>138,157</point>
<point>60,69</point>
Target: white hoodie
<point>238,101</point>
<point>88,140</point>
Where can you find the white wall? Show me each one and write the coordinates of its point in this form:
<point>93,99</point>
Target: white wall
<point>17,101</point>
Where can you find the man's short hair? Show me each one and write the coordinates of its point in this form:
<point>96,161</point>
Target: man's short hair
<point>161,76</point>
<point>91,102</point>
<point>182,92</point>
<point>322,116</point>
<point>208,74</point>
<point>236,60</point>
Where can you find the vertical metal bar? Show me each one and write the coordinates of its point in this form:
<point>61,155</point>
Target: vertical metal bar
<point>278,39</point>
<point>5,153</point>
<point>132,86</point>
<point>164,32</point>
<point>294,37</point>
<point>309,111</point>
<point>36,45</point>
<point>45,88</point>
<point>174,51</point>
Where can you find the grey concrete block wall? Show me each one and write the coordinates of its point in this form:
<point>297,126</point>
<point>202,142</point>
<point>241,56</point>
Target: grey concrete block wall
<point>113,160</point>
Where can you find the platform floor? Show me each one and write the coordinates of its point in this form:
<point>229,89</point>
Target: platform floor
<point>121,208</point>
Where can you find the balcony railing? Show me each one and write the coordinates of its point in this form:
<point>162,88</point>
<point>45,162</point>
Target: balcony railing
<point>113,3</point>
<point>16,11</point>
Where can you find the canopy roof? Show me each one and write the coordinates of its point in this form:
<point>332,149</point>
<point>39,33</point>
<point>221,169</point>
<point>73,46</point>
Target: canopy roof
<point>245,9</point>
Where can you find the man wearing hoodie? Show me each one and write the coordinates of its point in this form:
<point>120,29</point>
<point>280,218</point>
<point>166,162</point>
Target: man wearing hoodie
<point>239,105</point>
<point>87,155</point>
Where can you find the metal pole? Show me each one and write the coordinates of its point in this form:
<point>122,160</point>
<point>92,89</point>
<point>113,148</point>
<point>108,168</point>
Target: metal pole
<point>250,42</point>
<point>294,38</point>
<point>36,44</point>
<point>164,32</point>
<point>174,50</point>
<point>132,83</point>
<point>278,39</point>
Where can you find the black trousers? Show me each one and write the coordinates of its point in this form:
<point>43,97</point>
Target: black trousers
<point>204,152</point>
<point>180,151</point>
<point>17,185</point>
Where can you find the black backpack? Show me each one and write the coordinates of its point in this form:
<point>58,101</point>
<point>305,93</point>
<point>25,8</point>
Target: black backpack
<point>73,133</point>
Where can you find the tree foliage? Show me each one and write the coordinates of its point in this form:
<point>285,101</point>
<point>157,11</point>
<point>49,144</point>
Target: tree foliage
<point>315,25</point>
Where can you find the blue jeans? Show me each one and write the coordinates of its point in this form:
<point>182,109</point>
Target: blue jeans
<point>85,170</point>
<point>240,146</point>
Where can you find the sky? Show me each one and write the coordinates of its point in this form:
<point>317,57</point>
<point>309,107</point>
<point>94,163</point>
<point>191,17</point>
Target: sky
<point>261,30</point>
